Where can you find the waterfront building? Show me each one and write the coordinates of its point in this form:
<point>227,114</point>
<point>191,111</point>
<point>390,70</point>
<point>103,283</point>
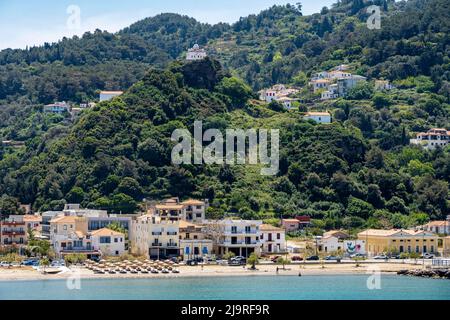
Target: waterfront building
<point>156,236</point>
<point>240,237</point>
<point>13,231</point>
<point>319,117</point>
<point>436,137</point>
<point>273,239</point>
<point>196,53</point>
<point>399,240</point>
<point>69,235</point>
<point>193,241</point>
<point>108,242</point>
<point>109,95</point>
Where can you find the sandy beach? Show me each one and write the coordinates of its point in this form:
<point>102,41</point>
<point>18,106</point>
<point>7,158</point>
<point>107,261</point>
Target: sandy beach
<point>28,273</point>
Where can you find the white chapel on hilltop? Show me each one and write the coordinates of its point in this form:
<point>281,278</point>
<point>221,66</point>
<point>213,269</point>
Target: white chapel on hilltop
<point>196,53</point>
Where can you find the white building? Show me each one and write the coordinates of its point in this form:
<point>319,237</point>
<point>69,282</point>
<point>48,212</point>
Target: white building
<point>331,93</point>
<point>332,244</point>
<point>196,53</point>
<point>438,227</point>
<point>108,95</point>
<point>319,117</point>
<point>346,83</point>
<point>238,236</point>
<point>436,137</point>
<point>278,92</point>
<point>193,211</point>
<point>319,84</point>
<point>57,107</point>
<point>108,242</point>
<point>273,239</point>
<point>381,85</point>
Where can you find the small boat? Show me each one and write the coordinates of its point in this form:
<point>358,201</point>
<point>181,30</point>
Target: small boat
<point>154,271</point>
<point>133,271</point>
<point>175,271</point>
<point>165,271</point>
<point>51,270</point>
<point>144,271</point>
<point>123,271</point>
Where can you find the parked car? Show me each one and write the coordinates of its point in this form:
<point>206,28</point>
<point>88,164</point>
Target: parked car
<point>358,255</point>
<point>381,257</point>
<point>313,258</point>
<point>237,261</point>
<point>192,262</point>
<point>333,258</point>
<point>275,259</point>
<point>427,256</point>
<point>5,264</point>
<point>30,262</point>
<point>297,258</point>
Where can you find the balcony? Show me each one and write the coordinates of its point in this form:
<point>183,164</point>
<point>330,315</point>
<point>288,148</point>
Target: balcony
<point>240,243</point>
<point>78,249</point>
<point>241,231</point>
<point>156,244</point>
<point>172,245</point>
<point>13,233</point>
<point>156,233</point>
<point>172,233</point>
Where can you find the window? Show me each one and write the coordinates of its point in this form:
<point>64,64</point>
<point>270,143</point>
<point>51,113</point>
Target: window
<point>65,227</point>
<point>233,229</point>
<point>117,253</point>
<point>248,229</point>
<point>278,236</point>
<point>116,240</point>
<point>105,239</point>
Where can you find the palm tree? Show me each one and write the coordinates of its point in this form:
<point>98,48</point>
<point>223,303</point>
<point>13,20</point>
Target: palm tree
<point>253,260</point>
<point>44,263</point>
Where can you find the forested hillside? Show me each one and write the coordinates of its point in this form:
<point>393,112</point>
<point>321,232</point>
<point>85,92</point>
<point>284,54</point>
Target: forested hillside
<point>357,172</point>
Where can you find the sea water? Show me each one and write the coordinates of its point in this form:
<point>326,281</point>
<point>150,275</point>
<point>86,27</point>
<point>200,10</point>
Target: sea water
<point>324,287</point>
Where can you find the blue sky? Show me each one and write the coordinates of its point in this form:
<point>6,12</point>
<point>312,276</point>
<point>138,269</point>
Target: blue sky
<point>25,22</point>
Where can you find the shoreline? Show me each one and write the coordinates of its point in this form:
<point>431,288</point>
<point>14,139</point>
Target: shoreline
<point>29,274</point>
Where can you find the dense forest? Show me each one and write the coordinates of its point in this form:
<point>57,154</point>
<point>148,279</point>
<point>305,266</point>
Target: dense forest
<point>357,172</point>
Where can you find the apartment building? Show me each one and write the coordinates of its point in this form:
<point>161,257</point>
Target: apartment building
<point>273,239</point>
<point>13,231</point>
<point>108,242</point>
<point>238,236</point>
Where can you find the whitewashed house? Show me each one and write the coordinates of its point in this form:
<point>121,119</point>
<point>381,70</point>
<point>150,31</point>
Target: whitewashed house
<point>108,242</point>
<point>319,117</point>
<point>434,138</point>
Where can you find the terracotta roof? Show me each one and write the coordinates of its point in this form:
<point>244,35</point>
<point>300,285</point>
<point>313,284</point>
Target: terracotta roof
<point>193,202</point>
<point>29,218</point>
<point>184,225</point>
<point>437,223</point>
<point>291,220</point>
<point>388,233</point>
<point>111,92</point>
<point>269,227</point>
<point>105,232</point>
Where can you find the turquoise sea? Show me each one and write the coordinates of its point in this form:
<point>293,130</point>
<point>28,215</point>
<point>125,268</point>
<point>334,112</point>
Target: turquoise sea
<point>345,287</point>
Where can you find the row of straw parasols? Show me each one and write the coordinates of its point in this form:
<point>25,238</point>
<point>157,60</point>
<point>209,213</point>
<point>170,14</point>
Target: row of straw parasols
<point>136,266</point>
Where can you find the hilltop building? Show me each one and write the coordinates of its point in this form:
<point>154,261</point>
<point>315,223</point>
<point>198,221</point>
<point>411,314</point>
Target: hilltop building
<point>108,95</point>
<point>436,137</point>
<point>319,117</point>
<point>196,53</point>
<point>57,107</point>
